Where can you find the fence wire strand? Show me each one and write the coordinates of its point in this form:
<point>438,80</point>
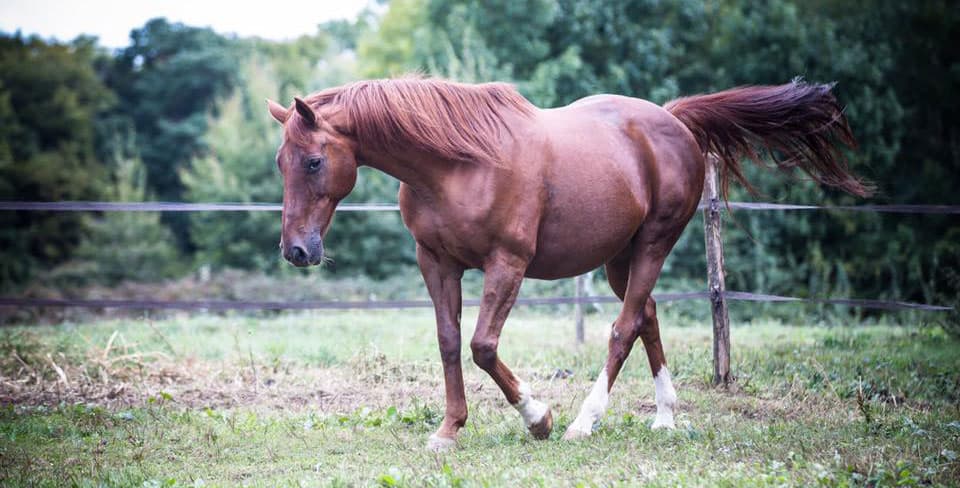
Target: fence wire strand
<point>77,206</point>
<point>93,206</point>
<point>218,305</point>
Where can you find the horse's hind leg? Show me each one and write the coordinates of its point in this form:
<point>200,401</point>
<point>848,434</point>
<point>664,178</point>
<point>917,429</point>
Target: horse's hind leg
<point>618,272</point>
<point>666,395</point>
<point>637,319</point>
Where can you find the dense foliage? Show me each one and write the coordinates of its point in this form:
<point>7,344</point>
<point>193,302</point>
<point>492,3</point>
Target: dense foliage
<point>187,103</point>
<point>50,96</point>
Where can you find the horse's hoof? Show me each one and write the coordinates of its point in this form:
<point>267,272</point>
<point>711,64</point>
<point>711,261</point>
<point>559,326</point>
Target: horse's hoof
<point>574,433</point>
<point>541,430</point>
<point>438,443</point>
<point>663,423</point>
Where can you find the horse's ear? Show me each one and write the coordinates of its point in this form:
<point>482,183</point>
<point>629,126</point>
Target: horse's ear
<point>305,111</point>
<point>279,112</point>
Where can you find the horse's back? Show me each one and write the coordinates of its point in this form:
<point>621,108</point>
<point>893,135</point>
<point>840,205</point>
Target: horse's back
<point>665,161</point>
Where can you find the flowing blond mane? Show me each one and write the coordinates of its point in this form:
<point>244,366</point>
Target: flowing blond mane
<point>454,121</point>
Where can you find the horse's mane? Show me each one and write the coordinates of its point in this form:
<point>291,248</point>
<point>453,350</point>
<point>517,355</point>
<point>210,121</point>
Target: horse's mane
<point>454,121</point>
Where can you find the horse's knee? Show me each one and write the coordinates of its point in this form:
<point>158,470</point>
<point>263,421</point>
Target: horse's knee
<point>449,343</point>
<point>450,351</point>
<point>484,353</point>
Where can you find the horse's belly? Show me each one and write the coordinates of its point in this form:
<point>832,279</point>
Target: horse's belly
<point>584,234</point>
<point>598,191</point>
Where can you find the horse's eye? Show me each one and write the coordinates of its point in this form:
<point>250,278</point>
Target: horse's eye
<point>314,164</point>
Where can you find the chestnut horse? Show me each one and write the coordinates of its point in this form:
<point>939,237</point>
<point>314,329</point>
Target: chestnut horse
<point>490,181</point>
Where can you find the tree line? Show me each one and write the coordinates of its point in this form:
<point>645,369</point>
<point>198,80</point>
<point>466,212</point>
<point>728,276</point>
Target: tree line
<point>178,115</point>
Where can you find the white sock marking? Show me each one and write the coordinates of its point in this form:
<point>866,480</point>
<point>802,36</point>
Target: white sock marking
<point>593,407</point>
<point>436,443</point>
<point>531,410</point>
<point>666,399</point>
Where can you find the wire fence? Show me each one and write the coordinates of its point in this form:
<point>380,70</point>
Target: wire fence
<point>210,305</point>
<point>68,206</point>
<point>221,305</point>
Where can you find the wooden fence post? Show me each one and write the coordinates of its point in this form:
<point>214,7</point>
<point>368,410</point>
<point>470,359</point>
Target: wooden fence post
<point>578,307</point>
<point>715,275</point>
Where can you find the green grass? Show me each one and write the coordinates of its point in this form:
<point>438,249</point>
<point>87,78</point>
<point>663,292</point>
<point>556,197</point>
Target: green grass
<point>349,398</point>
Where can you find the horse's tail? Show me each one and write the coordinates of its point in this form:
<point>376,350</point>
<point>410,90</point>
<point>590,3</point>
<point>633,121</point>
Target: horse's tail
<point>797,124</point>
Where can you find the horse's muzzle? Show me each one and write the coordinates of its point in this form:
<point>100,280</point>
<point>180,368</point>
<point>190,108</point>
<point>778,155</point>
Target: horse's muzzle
<point>303,253</point>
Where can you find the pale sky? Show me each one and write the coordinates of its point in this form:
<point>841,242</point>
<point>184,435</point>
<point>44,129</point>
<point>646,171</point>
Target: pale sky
<point>112,20</point>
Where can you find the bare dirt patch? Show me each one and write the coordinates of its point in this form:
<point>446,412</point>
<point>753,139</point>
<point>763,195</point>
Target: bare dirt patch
<point>116,379</point>
<point>140,379</point>
<point>116,376</point>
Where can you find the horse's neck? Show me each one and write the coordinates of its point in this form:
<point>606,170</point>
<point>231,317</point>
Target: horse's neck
<point>423,172</point>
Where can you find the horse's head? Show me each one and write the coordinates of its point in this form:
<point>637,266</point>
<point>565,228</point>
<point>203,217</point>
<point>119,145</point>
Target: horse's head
<point>319,168</point>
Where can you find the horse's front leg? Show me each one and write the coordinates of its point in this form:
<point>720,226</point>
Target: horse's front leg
<point>442,278</point>
<point>503,274</point>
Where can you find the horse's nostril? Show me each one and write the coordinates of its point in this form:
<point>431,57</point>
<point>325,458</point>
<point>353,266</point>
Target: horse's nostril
<point>298,254</point>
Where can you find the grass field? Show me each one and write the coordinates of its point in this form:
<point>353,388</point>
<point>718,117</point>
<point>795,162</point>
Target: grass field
<point>349,398</point>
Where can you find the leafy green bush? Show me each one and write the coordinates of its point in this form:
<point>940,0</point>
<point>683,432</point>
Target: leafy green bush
<point>50,100</point>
